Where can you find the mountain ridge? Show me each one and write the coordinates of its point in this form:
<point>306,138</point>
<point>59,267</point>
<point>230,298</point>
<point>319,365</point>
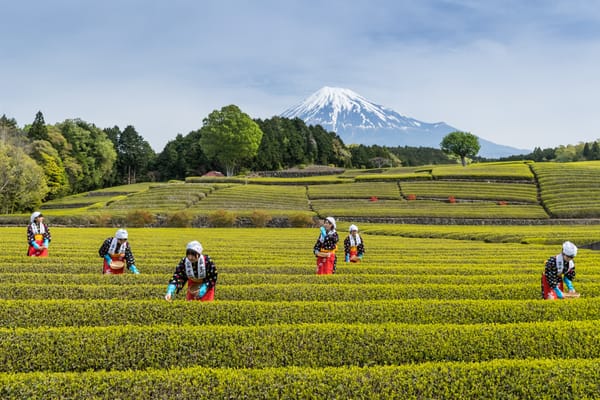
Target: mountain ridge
<point>358,120</point>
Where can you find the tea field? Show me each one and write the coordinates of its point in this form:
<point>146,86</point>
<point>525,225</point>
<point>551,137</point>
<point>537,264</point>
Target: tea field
<point>432,312</point>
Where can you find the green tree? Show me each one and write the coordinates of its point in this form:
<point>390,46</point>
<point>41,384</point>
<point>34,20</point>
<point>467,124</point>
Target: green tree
<point>587,151</point>
<point>10,132</point>
<point>230,137</point>
<point>182,157</point>
<point>595,151</point>
<point>38,130</point>
<point>48,158</point>
<point>461,144</point>
<point>360,155</point>
<point>283,145</point>
<point>90,148</point>
<point>134,154</point>
<point>413,156</point>
<point>22,181</point>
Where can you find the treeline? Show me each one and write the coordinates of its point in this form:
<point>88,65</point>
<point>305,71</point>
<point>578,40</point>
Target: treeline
<point>41,162</point>
<point>584,151</point>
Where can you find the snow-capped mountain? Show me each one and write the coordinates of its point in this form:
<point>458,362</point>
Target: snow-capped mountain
<point>357,120</point>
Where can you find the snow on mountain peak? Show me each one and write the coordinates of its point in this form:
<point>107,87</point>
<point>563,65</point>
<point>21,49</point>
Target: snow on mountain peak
<point>334,108</point>
<point>357,120</point>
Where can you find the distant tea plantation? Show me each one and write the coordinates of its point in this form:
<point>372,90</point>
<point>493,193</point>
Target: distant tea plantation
<point>446,303</point>
<point>500,192</point>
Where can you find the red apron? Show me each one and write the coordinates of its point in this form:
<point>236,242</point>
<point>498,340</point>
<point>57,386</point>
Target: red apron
<point>33,252</point>
<point>194,287</point>
<point>547,291</point>
<point>354,254</point>
<point>325,264</point>
<point>116,267</point>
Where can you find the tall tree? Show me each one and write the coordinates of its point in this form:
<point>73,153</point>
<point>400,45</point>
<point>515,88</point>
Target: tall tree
<point>230,137</point>
<point>461,144</point>
<point>587,151</point>
<point>38,130</point>
<point>133,154</point>
<point>595,151</point>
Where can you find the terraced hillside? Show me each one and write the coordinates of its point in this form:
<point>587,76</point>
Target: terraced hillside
<point>487,191</point>
<point>432,312</point>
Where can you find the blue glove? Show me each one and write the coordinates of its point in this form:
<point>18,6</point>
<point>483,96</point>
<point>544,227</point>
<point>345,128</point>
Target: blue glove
<point>171,289</point>
<point>108,259</point>
<point>203,290</point>
<point>46,243</point>
<point>559,293</point>
<point>323,232</point>
<point>347,257</point>
<point>35,245</point>
<point>569,283</point>
<point>360,256</point>
<point>133,269</point>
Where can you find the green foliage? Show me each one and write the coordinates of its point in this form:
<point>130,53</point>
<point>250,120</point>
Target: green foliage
<point>134,155</point>
<point>414,156</point>
<point>570,190</point>
<point>230,137</point>
<point>22,182</point>
<point>48,158</point>
<point>450,312</point>
<point>461,144</point>
<point>221,218</point>
<point>498,379</point>
<point>80,349</point>
<point>93,153</point>
<point>38,130</point>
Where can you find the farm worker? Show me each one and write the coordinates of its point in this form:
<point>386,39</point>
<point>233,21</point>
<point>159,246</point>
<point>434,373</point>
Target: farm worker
<point>559,272</point>
<point>38,236</point>
<point>354,247</point>
<point>200,273</point>
<point>117,254</point>
<point>325,248</point>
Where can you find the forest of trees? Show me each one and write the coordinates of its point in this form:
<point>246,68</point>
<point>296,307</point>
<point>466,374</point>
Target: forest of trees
<point>40,162</point>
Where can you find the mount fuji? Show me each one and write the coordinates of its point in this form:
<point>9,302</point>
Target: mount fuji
<point>357,120</point>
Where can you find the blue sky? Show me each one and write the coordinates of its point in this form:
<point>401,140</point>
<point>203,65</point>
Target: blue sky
<point>519,73</point>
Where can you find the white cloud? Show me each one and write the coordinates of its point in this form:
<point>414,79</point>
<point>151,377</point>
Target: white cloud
<point>517,73</point>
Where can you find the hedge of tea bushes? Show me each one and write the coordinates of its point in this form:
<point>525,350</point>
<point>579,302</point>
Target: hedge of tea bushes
<point>255,197</point>
<point>570,190</point>
<point>433,309</point>
<point>513,192</point>
<point>67,312</point>
<point>292,292</point>
<point>358,190</point>
<point>427,209</point>
<point>425,277</point>
<point>125,347</point>
<point>497,379</point>
<point>518,171</point>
